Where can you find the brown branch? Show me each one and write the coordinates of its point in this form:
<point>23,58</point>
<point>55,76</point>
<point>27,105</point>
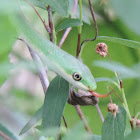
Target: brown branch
<point>50,23</point>
<point>42,72</point>
<point>43,21</point>
<point>96,28</point>
<point>81,115</point>
<point>4,136</point>
<point>100,113</point>
<point>78,45</point>
<point>65,122</point>
<point>68,29</point>
<point>115,93</point>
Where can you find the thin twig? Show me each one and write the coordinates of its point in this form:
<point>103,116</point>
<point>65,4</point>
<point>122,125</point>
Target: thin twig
<point>79,111</point>
<point>43,21</point>
<point>50,23</point>
<point>78,45</point>
<point>68,29</point>
<point>100,113</point>
<point>115,93</point>
<point>65,122</point>
<point>42,72</point>
<point>96,28</point>
<point>4,136</point>
<point>81,115</point>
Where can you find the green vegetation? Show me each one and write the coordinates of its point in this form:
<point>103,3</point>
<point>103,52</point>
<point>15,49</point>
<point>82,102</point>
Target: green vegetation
<point>25,109</point>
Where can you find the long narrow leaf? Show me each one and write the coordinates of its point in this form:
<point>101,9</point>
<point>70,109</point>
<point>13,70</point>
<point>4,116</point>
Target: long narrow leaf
<point>125,72</point>
<point>126,42</point>
<point>6,132</point>
<point>61,6</point>
<point>114,127</point>
<point>55,100</point>
<point>68,23</point>
<point>37,116</point>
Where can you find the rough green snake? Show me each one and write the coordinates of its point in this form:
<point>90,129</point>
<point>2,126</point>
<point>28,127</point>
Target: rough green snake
<point>57,60</point>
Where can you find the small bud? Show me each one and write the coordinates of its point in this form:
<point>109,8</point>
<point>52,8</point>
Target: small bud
<point>112,108</point>
<point>101,48</point>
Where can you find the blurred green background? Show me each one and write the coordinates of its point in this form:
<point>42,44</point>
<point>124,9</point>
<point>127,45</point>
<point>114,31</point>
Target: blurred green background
<point>114,18</point>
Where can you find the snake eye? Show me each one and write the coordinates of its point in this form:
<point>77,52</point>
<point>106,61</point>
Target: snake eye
<point>76,76</point>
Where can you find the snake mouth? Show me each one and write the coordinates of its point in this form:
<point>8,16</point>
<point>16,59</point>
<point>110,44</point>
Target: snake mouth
<point>99,95</point>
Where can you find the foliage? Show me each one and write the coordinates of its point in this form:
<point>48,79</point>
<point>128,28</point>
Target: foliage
<point>8,133</point>
<point>114,126</point>
<point>121,34</point>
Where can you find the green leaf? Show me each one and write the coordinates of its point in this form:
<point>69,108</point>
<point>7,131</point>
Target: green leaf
<point>102,79</point>
<point>68,23</point>
<point>61,6</point>
<point>8,133</point>
<point>114,127</point>
<point>54,103</point>
<point>86,14</point>
<point>35,118</point>
<point>131,18</point>
<point>125,72</point>
<point>7,37</point>
<point>126,42</point>
<point>134,135</point>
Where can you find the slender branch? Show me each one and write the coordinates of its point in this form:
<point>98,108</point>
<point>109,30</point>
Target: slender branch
<point>81,115</point>
<point>68,29</point>
<point>100,113</point>
<point>79,29</point>
<point>115,93</point>
<point>42,72</point>
<point>65,122</point>
<point>50,23</point>
<point>43,21</point>
<point>96,28</point>
<point>79,111</point>
<point>78,45</point>
<point>4,136</point>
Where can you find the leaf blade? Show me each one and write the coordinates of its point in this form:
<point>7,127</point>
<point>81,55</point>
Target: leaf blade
<point>60,7</point>
<point>114,127</point>
<point>125,72</point>
<point>68,23</point>
<point>54,103</point>
<point>7,133</point>
<point>35,118</point>
<point>126,42</point>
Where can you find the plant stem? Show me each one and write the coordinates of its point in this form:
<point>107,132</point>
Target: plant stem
<point>79,30</point>
<point>78,46</point>
<point>122,91</point>
<point>43,21</point>
<point>125,104</point>
<point>4,136</point>
<point>50,23</point>
<point>68,29</point>
<point>96,28</point>
<point>42,72</point>
<point>65,122</point>
<point>100,113</point>
<point>80,11</point>
<point>81,115</point>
